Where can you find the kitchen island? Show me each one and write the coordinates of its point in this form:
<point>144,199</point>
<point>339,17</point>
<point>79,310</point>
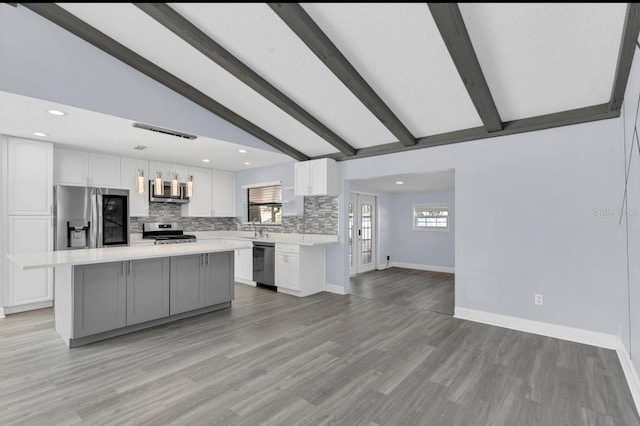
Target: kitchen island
<point>107,292</point>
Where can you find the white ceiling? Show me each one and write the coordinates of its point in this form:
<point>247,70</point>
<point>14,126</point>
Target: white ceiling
<point>537,59</point>
<point>443,181</point>
<point>91,131</point>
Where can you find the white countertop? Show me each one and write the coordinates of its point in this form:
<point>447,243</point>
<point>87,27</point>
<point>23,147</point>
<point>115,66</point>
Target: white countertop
<point>112,254</point>
<point>275,237</point>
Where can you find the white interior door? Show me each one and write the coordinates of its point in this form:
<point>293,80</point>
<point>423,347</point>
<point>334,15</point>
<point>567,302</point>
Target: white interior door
<point>362,233</point>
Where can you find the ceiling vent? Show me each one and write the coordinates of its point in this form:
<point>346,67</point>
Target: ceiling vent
<point>176,133</point>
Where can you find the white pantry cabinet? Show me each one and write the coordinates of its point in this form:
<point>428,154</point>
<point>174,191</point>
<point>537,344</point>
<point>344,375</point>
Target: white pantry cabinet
<point>138,203</point>
<point>200,204</point>
<point>223,194</point>
<point>29,234</point>
<point>29,177</point>
<point>316,177</point>
<point>299,270</point>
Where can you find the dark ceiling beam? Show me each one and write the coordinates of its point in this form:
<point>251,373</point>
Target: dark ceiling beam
<point>310,33</point>
<point>76,26</point>
<point>630,33</point>
<point>188,32</point>
<point>541,122</point>
<point>454,32</point>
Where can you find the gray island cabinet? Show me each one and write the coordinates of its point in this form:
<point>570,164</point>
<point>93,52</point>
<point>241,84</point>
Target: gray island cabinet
<point>106,292</point>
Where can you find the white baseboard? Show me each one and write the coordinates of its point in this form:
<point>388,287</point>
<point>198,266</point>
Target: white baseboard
<point>8,310</point>
<point>243,281</point>
<point>2,313</point>
<point>332,288</point>
<point>431,268</point>
<point>630,373</point>
<point>578,335</point>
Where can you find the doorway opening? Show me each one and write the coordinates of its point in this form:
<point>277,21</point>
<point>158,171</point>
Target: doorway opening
<point>362,233</point>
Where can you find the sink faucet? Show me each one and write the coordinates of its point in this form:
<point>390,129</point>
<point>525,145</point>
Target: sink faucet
<point>257,231</point>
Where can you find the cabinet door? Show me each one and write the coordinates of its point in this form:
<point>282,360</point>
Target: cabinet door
<point>147,289</point>
<point>187,283</point>
<point>281,270</point>
<point>104,171</point>
<point>29,234</point>
<point>293,263</point>
<point>302,178</point>
<point>138,203</point>
<point>219,278</point>
<point>317,177</point>
<point>30,177</point>
<point>244,264</point>
<point>223,194</point>
<point>200,204</point>
<point>99,298</point>
<point>71,167</point>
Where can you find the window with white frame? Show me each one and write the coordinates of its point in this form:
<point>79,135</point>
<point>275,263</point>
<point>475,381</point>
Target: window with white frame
<point>430,217</point>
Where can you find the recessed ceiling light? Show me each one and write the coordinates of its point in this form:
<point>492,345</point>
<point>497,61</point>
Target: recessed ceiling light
<point>399,182</point>
<point>40,134</point>
<point>242,151</point>
<point>205,160</point>
<point>247,163</point>
<point>56,112</point>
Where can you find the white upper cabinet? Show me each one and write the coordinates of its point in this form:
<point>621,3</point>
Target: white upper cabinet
<point>167,169</point>
<point>30,177</point>
<point>316,177</point>
<point>138,203</point>
<point>79,168</point>
<point>104,171</point>
<point>200,203</point>
<point>71,167</point>
<point>223,194</point>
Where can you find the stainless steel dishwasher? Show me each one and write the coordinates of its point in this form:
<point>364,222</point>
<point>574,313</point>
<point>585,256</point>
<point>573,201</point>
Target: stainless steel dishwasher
<point>264,259</point>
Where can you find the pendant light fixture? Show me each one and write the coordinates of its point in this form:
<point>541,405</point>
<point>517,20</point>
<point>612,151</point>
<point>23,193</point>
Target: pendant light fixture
<point>175,187</point>
<point>158,185</point>
<point>140,181</point>
<point>190,186</point>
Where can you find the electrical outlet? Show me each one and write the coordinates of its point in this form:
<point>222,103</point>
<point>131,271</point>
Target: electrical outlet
<point>388,257</point>
<point>538,300</point>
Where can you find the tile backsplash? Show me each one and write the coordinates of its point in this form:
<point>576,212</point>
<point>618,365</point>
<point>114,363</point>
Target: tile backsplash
<point>320,217</point>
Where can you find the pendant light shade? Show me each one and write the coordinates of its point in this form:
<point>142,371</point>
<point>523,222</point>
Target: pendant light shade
<point>140,181</point>
<point>158,185</point>
<point>190,186</point>
<point>175,188</point>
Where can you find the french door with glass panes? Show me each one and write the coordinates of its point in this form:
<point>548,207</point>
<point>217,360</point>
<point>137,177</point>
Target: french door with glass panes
<point>362,233</point>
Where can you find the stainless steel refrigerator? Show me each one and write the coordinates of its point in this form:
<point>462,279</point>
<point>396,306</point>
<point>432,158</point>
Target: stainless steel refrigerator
<point>87,217</point>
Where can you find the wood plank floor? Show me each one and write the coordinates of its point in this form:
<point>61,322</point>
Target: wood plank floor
<point>426,290</point>
<point>325,359</point>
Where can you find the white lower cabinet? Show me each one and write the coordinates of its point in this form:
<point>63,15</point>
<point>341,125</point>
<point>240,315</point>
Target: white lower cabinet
<point>244,265</point>
<point>29,234</point>
<point>299,270</point>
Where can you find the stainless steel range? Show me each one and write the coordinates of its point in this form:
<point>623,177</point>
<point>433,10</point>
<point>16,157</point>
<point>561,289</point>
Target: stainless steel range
<point>166,233</point>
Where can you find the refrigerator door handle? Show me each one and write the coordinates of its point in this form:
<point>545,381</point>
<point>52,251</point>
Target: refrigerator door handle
<point>94,220</point>
<point>100,227</point>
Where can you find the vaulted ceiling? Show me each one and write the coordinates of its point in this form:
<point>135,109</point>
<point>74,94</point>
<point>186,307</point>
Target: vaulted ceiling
<point>348,80</point>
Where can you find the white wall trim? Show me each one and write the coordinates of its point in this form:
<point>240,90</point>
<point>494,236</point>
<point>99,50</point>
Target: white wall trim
<point>630,373</point>
<point>578,335</point>
<point>448,269</point>
<point>2,313</point>
<point>244,281</point>
<point>8,310</point>
<point>332,288</point>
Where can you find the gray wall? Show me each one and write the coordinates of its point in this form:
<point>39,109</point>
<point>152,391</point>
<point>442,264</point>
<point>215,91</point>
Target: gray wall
<point>429,248</point>
<point>525,222</point>
<point>47,62</point>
